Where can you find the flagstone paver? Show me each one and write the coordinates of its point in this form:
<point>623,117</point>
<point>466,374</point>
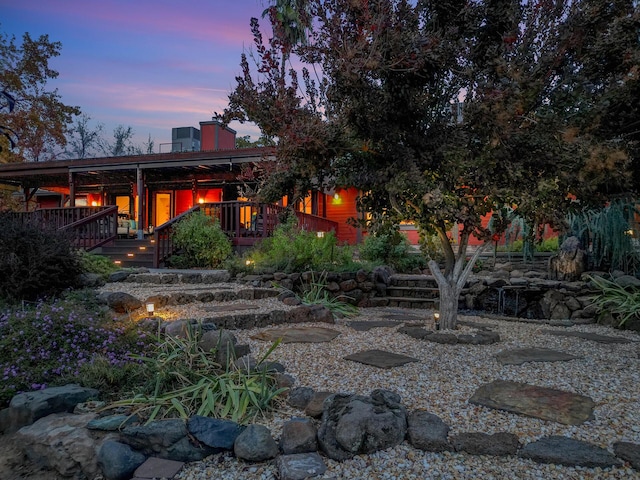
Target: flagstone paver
<point>380,358</point>
<point>231,308</point>
<point>298,334</point>
<point>403,317</point>
<point>365,325</point>
<point>595,337</point>
<point>539,402</point>
<point>519,356</point>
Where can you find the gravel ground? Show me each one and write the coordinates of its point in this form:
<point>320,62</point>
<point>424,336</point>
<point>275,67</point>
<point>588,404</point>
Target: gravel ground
<point>441,382</point>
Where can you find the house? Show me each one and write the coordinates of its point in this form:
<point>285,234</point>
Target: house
<point>202,169</point>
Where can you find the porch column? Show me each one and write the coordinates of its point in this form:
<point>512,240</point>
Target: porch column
<point>141,194</point>
<point>194,192</point>
<point>72,190</point>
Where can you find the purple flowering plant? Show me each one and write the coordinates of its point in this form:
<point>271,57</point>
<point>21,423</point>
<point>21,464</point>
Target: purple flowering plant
<point>52,343</point>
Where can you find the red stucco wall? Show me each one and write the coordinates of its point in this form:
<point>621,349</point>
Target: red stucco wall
<point>339,210</point>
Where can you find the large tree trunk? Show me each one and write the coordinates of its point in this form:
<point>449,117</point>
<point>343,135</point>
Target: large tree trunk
<point>451,283</point>
<point>449,297</point>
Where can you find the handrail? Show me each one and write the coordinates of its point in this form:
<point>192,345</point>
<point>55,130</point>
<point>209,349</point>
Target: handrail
<point>245,223</point>
<point>162,236</point>
<point>88,227</point>
<point>95,230</point>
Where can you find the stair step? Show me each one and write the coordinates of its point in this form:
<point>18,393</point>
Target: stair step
<point>130,252</point>
<point>407,302</point>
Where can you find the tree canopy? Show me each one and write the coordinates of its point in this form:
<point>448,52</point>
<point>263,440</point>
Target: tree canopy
<point>444,111</point>
<point>38,119</point>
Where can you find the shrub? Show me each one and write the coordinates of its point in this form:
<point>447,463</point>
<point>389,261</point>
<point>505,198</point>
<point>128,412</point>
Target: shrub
<point>98,264</point>
<point>185,380</point>
<point>607,232</point>
<point>291,249</point>
<point>391,248</point>
<point>622,303</point>
<point>49,343</point>
<point>201,241</point>
<point>315,293</point>
<point>35,261</point>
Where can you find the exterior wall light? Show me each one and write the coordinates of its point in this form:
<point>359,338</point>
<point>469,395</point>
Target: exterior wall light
<point>201,200</point>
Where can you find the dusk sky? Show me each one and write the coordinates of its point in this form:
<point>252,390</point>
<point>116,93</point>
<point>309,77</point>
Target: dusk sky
<point>148,64</point>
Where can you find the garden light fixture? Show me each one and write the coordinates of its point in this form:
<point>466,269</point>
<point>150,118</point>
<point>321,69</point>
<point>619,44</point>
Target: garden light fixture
<point>150,309</point>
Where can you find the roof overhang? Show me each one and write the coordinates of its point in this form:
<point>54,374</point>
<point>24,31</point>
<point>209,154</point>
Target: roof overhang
<point>178,165</point>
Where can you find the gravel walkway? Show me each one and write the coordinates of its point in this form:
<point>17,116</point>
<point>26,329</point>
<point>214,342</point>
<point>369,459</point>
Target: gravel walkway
<point>441,382</point>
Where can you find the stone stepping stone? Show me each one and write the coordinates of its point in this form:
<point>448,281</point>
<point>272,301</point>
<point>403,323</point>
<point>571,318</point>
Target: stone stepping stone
<point>380,358</point>
<point>629,452</point>
<point>231,308</point>
<point>299,466</point>
<point>155,467</point>
<point>403,317</point>
<point>298,334</point>
<point>570,452</point>
<point>534,401</point>
<point>365,325</point>
<point>594,337</point>
<point>522,355</point>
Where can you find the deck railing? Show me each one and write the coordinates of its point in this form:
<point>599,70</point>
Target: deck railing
<point>88,227</point>
<point>245,223</point>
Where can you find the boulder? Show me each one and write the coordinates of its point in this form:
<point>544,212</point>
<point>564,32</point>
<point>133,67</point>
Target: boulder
<point>167,439</point>
<point>300,466</point>
<point>26,408</point>
<point>478,443</point>
<point>215,433</point>
<point>299,397</point>
<point>315,406</point>
<point>357,424</point>
<point>570,262</point>
<point>121,302</point>
<point>255,444</point>
<point>61,442</point>
<point>629,452</point>
<point>298,436</point>
<point>118,461</point>
<point>427,431</point>
<point>569,452</point>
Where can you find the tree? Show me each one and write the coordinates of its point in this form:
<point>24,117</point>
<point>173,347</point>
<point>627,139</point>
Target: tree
<point>246,142</point>
<point>39,119</point>
<point>122,143</point>
<point>381,119</point>
<point>84,141</point>
<point>290,20</point>
<point>148,146</point>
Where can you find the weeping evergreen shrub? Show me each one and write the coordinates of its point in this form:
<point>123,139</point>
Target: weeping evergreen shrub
<point>608,235</point>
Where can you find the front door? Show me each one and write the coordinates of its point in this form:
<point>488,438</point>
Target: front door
<point>162,208</point>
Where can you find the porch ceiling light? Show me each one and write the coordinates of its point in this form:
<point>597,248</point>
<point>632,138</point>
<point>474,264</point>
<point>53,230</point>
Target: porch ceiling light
<point>201,200</point>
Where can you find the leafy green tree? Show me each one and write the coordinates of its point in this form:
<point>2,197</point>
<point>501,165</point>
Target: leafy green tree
<point>122,143</point>
<point>442,112</point>
<point>246,142</point>
<point>38,118</point>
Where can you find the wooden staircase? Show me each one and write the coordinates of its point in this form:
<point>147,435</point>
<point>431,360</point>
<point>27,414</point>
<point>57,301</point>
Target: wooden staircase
<point>130,252</point>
